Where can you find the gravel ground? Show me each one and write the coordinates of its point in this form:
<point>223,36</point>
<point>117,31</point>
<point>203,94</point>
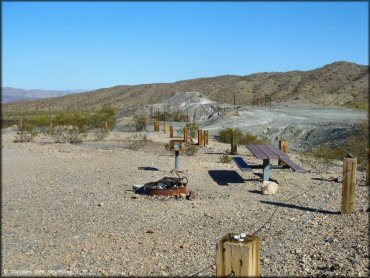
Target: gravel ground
<point>70,210</point>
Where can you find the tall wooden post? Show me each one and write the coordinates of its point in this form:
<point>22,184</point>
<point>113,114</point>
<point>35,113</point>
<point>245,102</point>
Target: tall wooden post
<point>368,169</point>
<point>51,127</point>
<point>200,137</point>
<point>234,102</point>
<point>349,185</point>
<point>165,127</point>
<point>234,146</point>
<point>206,138</point>
<point>238,258</point>
<point>105,125</point>
<point>186,135</point>
<point>171,131</point>
<point>283,146</point>
<point>156,126</point>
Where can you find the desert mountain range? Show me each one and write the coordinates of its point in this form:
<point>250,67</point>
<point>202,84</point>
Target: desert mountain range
<point>9,94</point>
<point>339,83</point>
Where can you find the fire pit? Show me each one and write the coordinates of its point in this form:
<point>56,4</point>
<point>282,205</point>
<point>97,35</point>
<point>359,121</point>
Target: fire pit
<point>167,186</point>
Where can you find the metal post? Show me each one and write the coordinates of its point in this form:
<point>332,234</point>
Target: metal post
<point>266,169</point>
<point>177,160</point>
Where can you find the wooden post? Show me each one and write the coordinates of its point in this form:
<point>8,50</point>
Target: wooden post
<point>283,146</point>
<point>368,169</point>
<point>200,137</point>
<point>105,125</point>
<point>349,185</point>
<point>206,138</point>
<point>165,127</point>
<point>234,147</point>
<point>239,258</point>
<point>156,126</point>
<point>270,102</point>
<point>171,131</point>
<point>51,127</point>
<point>186,134</point>
<point>234,102</point>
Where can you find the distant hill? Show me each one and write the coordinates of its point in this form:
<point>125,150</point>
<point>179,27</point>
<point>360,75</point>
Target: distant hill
<point>9,94</point>
<point>339,83</point>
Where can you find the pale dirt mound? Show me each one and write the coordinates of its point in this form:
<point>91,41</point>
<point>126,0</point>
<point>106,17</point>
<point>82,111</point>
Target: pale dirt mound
<point>304,125</point>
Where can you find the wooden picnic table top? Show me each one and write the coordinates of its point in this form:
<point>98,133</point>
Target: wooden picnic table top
<point>266,151</point>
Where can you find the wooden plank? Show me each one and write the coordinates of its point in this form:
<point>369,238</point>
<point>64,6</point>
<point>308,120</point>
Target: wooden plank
<point>349,185</point>
<point>266,150</point>
<point>291,164</point>
<point>256,151</point>
<point>279,152</point>
<point>242,164</point>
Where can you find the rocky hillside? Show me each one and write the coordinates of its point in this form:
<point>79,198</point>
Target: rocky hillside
<point>340,83</point>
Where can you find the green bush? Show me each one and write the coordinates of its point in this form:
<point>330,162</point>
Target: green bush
<point>193,129</point>
<point>174,117</point>
<point>190,150</point>
<point>359,105</point>
<point>141,122</point>
<point>224,135</point>
<point>249,138</point>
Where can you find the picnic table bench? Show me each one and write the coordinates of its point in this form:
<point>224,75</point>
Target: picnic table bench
<point>267,152</point>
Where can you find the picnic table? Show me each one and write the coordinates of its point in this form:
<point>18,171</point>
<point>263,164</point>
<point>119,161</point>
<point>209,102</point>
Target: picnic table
<point>267,152</point>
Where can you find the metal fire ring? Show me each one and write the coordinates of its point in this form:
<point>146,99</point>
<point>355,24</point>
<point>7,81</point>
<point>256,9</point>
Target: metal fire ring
<point>167,186</point>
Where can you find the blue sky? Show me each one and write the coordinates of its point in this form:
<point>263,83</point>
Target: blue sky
<point>87,45</point>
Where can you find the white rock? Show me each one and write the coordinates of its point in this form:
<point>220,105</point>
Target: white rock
<point>136,187</point>
<point>269,188</point>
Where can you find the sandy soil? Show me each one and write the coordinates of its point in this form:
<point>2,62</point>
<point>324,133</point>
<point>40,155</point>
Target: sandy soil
<point>70,210</point>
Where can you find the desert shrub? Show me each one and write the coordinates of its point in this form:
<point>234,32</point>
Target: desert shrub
<point>328,153</point>
<point>190,150</point>
<point>70,134</point>
<point>5,123</point>
<point>249,138</point>
<point>225,159</point>
<point>174,117</point>
<point>167,146</point>
<point>359,105</point>
<point>145,139</point>
<point>224,135</point>
<point>193,129</point>
<point>358,145</point>
<point>141,122</point>
<point>22,137</point>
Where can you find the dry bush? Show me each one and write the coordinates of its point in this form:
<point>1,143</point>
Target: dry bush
<point>250,138</point>
<point>70,134</point>
<point>190,150</point>
<point>225,159</point>
<point>224,135</point>
<point>140,122</point>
